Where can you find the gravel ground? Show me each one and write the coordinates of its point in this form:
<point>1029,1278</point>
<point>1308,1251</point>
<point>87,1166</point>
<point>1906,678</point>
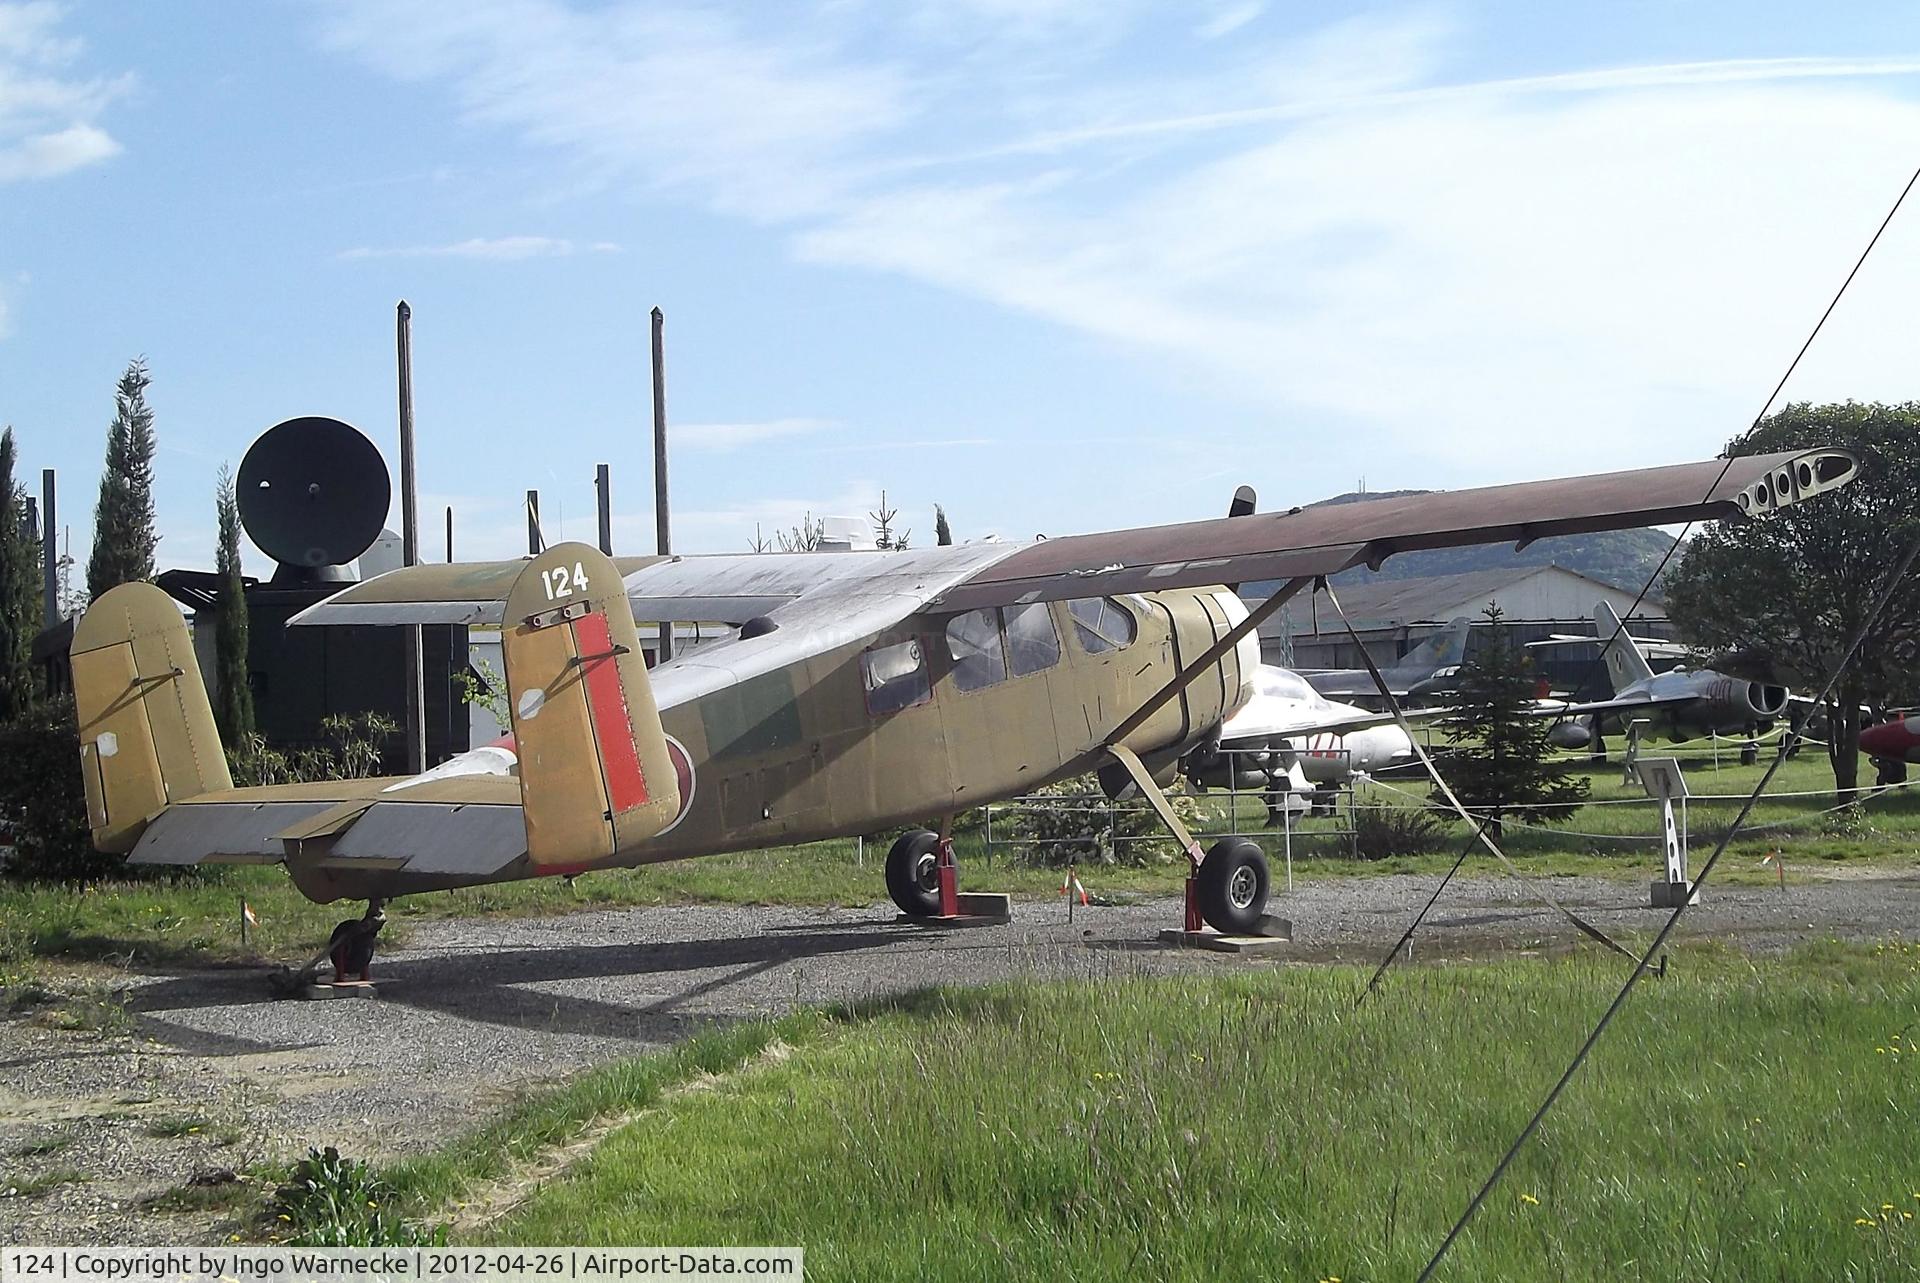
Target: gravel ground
<point>474,1012</point>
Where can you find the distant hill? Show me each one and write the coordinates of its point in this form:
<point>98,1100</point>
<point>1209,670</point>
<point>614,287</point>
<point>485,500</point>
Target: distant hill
<point>1623,558</point>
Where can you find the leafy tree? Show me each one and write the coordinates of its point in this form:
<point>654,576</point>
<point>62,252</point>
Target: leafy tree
<point>19,591</point>
<point>233,696</point>
<point>1502,761</point>
<point>1797,585</point>
<point>123,525</point>
<point>942,532</point>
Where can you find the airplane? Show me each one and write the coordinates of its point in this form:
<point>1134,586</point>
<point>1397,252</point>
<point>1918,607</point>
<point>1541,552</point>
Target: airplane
<point>1424,670</point>
<point>1288,737</point>
<point>1892,746</point>
<point>863,691</point>
<point>1680,702</point>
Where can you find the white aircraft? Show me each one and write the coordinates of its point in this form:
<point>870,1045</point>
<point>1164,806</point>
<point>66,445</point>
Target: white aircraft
<point>1288,736</point>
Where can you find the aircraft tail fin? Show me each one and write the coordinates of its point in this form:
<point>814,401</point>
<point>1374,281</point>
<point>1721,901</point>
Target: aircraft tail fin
<point>1444,649</point>
<point>147,737</point>
<point>1625,664</point>
<point>596,775</point>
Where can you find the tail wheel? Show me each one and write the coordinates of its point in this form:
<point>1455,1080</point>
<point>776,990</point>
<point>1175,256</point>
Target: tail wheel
<point>913,878</point>
<point>1232,886</point>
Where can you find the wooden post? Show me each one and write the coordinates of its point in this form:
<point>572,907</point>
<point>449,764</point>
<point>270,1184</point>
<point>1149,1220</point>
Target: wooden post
<point>662,537</point>
<point>410,541</point>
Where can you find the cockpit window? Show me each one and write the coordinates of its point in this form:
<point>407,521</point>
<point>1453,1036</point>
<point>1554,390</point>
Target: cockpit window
<point>1102,624</point>
<point>1032,643</point>
<point>895,677</point>
<point>974,641</point>
<point>1284,683</point>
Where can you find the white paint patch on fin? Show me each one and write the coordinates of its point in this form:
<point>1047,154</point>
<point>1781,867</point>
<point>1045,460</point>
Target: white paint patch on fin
<point>107,743</point>
<point>532,700</point>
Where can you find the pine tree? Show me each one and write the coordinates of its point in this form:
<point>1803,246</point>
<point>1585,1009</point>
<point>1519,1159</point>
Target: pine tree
<point>19,591</point>
<point>942,532</point>
<point>1502,761</point>
<point>123,524</point>
<point>233,707</point>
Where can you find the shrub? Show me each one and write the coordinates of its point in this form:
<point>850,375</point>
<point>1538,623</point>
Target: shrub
<point>42,801</point>
<point>330,1201</point>
<point>1078,830</point>
<point>1381,832</point>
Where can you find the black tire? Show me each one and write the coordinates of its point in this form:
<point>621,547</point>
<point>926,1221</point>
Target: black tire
<point>1233,886</point>
<point>913,879</point>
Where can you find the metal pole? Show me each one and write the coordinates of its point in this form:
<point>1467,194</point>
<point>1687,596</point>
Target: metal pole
<point>49,553</point>
<point>534,542</point>
<point>603,497</point>
<point>410,541</point>
<point>449,534</point>
<point>662,539</point>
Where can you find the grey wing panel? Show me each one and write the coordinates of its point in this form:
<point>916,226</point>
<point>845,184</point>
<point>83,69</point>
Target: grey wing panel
<point>435,837</point>
<point>221,832</point>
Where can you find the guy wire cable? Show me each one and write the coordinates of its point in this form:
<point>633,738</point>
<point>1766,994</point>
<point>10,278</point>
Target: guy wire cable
<point>1706,870</point>
<point>1673,920</point>
<point>1479,828</point>
<point>1645,588</point>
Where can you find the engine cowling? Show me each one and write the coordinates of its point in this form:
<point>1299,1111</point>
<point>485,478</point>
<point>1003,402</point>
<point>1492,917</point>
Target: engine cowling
<point>1730,704</point>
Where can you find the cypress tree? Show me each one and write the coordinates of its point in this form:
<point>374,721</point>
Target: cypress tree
<point>233,707</point>
<point>123,523</point>
<point>1502,761</point>
<point>942,532</point>
<point>19,591</point>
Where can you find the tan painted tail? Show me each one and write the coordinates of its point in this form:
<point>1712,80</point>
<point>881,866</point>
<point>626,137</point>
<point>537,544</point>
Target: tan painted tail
<point>595,773</point>
<point>147,737</point>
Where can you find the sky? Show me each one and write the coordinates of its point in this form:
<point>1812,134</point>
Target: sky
<point>1057,266</point>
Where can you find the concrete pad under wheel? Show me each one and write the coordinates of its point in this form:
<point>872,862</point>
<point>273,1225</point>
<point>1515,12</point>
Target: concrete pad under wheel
<point>977,909</point>
<point>1278,935</point>
<point>344,989</point>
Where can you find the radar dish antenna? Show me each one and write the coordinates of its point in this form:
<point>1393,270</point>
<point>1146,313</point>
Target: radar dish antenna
<point>313,495</point>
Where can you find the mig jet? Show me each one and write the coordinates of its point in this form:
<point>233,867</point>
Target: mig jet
<point>1424,670</point>
<point>1681,704</point>
<point>861,691</point>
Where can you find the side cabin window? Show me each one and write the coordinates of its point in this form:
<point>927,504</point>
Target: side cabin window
<point>978,657</point>
<point>895,677</point>
<point>1102,624</point>
<point>1032,644</point>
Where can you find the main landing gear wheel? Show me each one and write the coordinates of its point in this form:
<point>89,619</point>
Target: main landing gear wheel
<point>913,878</point>
<point>1232,886</point>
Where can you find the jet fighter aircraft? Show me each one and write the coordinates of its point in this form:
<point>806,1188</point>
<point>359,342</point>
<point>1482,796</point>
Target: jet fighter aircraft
<point>1682,704</point>
<point>862,691</point>
<point>1424,670</point>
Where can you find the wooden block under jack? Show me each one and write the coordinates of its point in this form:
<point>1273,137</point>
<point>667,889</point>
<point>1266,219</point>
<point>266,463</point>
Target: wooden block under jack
<point>1274,934</point>
<point>343,989</point>
<point>977,909</point>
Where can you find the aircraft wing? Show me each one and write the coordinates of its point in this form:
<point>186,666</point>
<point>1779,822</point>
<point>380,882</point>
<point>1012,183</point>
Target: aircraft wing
<point>1618,704</point>
<point>1328,538</point>
<point>728,588</point>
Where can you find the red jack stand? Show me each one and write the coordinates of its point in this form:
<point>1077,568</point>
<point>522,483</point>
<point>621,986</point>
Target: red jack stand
<point>962,908</point>
<point>948,871</point>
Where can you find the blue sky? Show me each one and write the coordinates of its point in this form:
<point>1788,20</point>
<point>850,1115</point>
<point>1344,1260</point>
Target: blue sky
<point>1056,265</point>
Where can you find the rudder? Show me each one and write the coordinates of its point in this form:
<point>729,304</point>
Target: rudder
<point>595,774</point>
<point>1625,664</point>
<point>147,736</point>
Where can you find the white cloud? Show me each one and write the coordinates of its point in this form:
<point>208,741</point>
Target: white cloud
<point>495,248</point>
<point>48,118</point>
<point>732,436</point>
<point>6,320</point>
<point>1230,19</point>
<point>1584,269</point>
<point>657,95</point>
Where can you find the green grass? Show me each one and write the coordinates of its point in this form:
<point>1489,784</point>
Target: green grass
<point>1742,1120</point>
<point>195,919</point>
<point>41,1184</point>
